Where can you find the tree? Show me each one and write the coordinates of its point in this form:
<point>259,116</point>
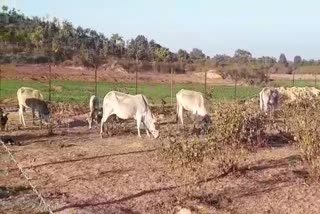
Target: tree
<point>283,59</point>
<point>138,48</point>
<point>131,49</point>
<point>116,45</point>
<point>242,56</point>
<point>222,59</point>
<point>142,51</point>
<point>266,60</point>
<point>153,46</point>
<point>36,37</point>
<point>183,55</point>
<point>162,54</point>
<point>297,60</point>
<point>197,54</point>
<point>95,55</point>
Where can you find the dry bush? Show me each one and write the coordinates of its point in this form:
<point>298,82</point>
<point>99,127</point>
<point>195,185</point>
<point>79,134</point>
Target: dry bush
<point>303,119</point>
<point>236,129</point>
<point>250,73</point>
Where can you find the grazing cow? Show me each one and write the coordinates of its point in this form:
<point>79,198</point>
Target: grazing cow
<point>24,93</point>
<point>40,107</point>
<point>95,110</point>
<point>126,106</point>
<point>3,120</point>
<point>269,99</point>
<point>191,101</point>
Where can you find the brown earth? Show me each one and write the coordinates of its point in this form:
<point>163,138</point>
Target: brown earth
<point>78,172</point>
<point>41,73</point>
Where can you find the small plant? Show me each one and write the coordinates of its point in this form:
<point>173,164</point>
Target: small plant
<point>302,119</point>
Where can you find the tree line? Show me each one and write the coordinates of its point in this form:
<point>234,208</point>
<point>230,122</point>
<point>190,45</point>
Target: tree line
<point>54,41</point>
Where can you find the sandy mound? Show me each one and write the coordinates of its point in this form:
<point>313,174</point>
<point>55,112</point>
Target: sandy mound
<point>211,74</point>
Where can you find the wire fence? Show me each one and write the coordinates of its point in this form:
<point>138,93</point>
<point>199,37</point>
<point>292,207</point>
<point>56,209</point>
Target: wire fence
<point>75,84</point>
<point>42,201</point>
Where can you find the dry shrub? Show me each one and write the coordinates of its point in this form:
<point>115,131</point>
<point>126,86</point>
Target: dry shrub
<point>67,109</point>
<point>236,130</point>
<point>303,119</point>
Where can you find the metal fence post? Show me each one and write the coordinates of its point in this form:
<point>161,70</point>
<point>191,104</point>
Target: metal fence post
<point>171,85</point>
<point>205,83</point>
<point>96,80</point>
<point>235,87</point>
<point>315,79</point>
<point>293,78</point>
<point>50,82</point>
<point>0,83</point>
<point>137,78</point>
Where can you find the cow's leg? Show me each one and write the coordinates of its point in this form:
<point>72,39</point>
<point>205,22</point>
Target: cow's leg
<point>139,118</point>
<point>147,131</point>
<point>33,117</point>
<point>19,115</point>
<point>181,113</point>
<point>90,119</point>
<point>22,122</point>
<point>177,116</point>
<point>40,121</point>
<point>261,102</point>
<point>106,115</point>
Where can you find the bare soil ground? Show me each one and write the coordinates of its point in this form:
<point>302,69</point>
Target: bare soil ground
<point>78,172</point>
<point>41,72</point>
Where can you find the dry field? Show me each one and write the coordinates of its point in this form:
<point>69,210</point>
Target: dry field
<point>78,172</point>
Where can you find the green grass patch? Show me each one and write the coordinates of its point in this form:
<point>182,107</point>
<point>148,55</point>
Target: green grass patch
<point>80,91</point>
<point>296,83</point>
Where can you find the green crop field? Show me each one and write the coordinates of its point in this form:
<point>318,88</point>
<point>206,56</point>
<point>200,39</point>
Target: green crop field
<point>79,91</point>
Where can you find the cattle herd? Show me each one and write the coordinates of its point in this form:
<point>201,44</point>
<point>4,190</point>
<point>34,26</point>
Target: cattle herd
<point>126,106</point>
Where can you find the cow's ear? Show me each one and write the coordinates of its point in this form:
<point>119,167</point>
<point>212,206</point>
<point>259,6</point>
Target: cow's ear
<point>5,114</point>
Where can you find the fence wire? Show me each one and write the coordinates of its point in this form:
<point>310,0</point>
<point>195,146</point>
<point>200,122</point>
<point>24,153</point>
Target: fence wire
<point>41,198</point>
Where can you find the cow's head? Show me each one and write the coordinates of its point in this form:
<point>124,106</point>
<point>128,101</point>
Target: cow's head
<point>206,119</point>
<point>206,122</point>
<point>3,120</point>
<point>274,96</point>
<point>150,121</point>
<point>45,114</point>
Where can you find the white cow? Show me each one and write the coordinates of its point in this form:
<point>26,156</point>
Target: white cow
<point>33,96</point>
<point>126,106</point>
<point>269,99</point>
<point>191,101</point>
<point>95,110</point>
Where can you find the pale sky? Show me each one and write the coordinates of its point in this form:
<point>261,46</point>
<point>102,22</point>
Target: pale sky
<point>263,27</point>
